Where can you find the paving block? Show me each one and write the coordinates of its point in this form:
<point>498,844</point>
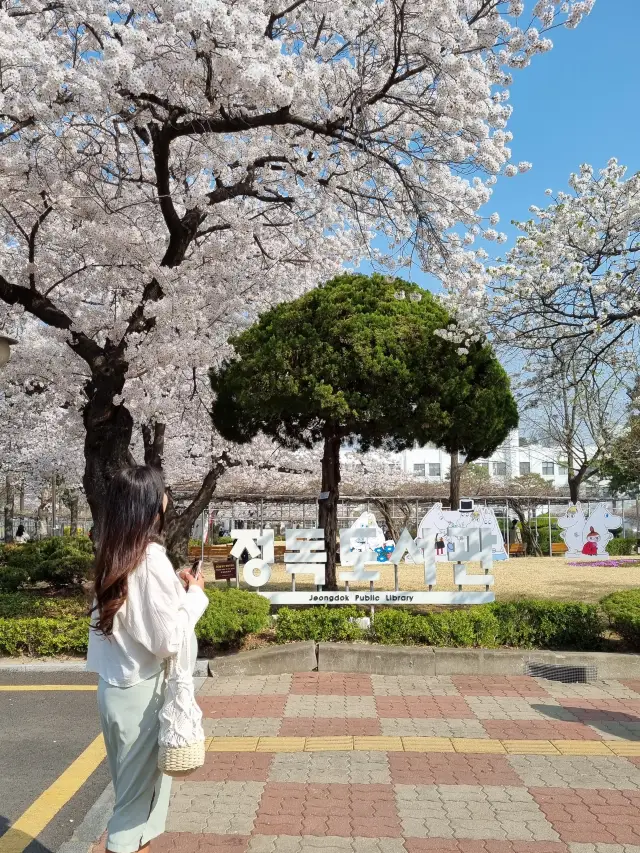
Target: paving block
<point>386,744</point>
<point>280,744</point>
<point>427,744</point>
<point>582,747</point>
<point>529,747</point>
<point>479,746</point>
<point>232,744</point>
<point>323,744</point>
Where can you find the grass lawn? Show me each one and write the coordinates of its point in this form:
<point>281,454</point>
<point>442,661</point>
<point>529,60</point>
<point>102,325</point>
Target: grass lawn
<point>523,577</point>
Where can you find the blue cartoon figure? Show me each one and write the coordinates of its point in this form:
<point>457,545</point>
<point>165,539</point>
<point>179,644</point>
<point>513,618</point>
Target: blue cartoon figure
<point>384,552</point>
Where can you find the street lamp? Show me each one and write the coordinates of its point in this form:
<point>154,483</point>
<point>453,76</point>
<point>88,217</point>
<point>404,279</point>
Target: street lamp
<point>5,349</point>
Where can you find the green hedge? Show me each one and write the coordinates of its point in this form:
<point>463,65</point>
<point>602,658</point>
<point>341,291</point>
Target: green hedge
<point>623,611</point>
<point>319,624</point>
<point>523,624</point>
<point>43,637</point>
<point>231,615</point>
<point>622,547</point>
<point>59,561</point>
<point>40,626</point>
<point>22,605</point>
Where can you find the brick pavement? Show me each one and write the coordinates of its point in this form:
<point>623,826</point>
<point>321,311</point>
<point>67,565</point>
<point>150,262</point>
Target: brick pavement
<point>352,763</point>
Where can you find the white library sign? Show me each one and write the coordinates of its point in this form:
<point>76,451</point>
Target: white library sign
<point>305,556</point>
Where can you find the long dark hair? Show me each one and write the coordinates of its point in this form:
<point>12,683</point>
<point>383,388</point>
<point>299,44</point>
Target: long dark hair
<point>133,515</point>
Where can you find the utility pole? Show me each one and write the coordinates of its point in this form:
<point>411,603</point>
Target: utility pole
<point>53,504</point>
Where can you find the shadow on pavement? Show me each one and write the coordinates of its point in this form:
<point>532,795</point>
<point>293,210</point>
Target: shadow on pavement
<point>19,840</point>
<point>619,723</point>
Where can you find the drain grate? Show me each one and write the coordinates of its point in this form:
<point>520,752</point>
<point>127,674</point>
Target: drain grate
<point>560,672</point>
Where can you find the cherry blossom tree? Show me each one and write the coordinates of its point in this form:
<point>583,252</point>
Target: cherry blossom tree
<point>571,284</point>
<point>170,170</point>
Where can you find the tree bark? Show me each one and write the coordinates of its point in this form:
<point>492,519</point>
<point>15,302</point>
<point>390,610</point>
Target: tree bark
<point>529,538</point>
<point>328,507</point>
<point>455,475</point>
<point>73,512</point>
<point>109,429</point>
<point>178,525</point>
<point>9,506</point>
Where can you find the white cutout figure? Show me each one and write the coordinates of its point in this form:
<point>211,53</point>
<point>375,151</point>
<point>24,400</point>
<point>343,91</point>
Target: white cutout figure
<point>571,526</point>
<point>362,542</point>
<point>357,558</point>
<point>471,545</point>
<point>261,557</point>
<point>440,520</point>
<point>305,554</point>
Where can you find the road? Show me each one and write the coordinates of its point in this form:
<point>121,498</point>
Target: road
<point>42,733</point>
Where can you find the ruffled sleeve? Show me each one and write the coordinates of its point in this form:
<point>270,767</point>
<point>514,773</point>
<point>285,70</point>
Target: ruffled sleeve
<point>158,610</point>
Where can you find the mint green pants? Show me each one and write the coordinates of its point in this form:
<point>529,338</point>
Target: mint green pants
<point>129,717</point>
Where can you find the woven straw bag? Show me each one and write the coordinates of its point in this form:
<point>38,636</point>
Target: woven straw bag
<point>181,737</point>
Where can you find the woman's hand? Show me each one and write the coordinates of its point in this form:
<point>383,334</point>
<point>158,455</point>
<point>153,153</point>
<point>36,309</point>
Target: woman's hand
<point>186,576</point>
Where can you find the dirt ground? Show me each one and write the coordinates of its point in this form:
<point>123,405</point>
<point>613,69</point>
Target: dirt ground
<point>522,577</point>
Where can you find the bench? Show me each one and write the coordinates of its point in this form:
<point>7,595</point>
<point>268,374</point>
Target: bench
<point>222,552</point>
<point>558,548</point>
<point>516,549</point>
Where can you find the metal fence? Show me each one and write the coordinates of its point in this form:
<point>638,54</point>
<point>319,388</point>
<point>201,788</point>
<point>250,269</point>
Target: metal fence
<point>284,512</point>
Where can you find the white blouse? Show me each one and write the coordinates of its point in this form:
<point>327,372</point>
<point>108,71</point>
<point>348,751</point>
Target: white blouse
<point>149,626</point>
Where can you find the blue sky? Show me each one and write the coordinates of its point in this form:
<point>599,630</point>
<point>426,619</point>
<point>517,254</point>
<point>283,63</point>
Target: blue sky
<point>579,103</point>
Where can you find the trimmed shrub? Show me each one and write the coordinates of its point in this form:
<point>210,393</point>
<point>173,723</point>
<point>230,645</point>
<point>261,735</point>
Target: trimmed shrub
<point>319,624</point>
<point>231,615</point>
<point>21,605</point>
<point>623,611</point>
<point>42,637</point>
<point>548,624</point>
<point>458,628</point>
<point>524,624</point>
<point>622,547</point>
<point>59,561</point>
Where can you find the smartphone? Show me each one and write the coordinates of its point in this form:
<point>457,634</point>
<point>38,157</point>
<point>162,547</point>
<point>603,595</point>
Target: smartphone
<point>196,568</point>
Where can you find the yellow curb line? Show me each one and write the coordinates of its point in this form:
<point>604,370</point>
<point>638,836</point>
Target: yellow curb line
<point>31,822</point>
<point>30,688</point>
<point>380,743</point>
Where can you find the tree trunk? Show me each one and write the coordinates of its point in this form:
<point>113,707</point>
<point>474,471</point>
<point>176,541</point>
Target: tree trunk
<point>529,538</point>
<point>109,429</point>
<point>575,483</point>
<point>178,525</point>
<point>73,512</point>
<point>9,506</point>
<point>455,473</point>
<point>328,507</point>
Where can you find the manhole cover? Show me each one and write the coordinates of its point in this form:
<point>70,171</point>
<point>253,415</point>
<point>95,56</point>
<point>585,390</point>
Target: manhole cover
<point>561,672</point>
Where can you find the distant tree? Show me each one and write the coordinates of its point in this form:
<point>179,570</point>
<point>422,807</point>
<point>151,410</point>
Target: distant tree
<point>358,361</point>
<point>622,465</point>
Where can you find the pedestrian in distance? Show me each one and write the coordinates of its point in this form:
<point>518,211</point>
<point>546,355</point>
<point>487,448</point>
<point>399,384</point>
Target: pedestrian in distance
<point>142,613</point>
<point>21,535</point>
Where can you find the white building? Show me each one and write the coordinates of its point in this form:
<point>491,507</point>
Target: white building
<point>514,458</point>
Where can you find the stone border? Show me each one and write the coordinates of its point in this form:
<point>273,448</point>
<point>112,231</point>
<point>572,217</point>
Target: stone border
<point>376,659</point>
<point>413,660</point>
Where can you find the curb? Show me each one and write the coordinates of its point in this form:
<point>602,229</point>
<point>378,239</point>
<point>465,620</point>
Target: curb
<point>7,665</point>
<point>275,660</point>
<point>90,830</point>
<point>415,660</point>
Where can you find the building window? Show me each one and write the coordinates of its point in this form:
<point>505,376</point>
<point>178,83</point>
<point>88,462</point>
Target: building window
<point>547,468</point>
<point>484,465</point>
<point>525,468</point>
<point>499,469</point>
<point>418,470</point>
<point>434,469</point>
<point>562,471</point>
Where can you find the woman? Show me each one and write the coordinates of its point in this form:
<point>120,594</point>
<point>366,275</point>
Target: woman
<point>21,535</point>
<point>141,613</point>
